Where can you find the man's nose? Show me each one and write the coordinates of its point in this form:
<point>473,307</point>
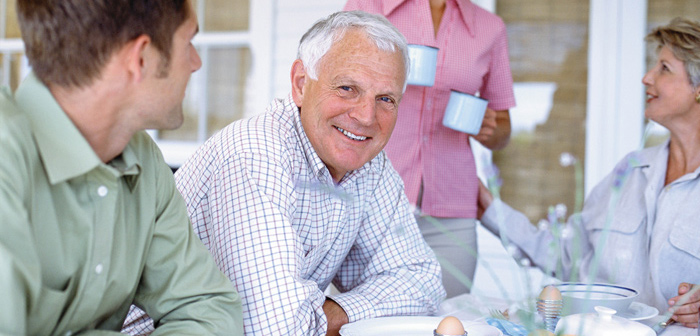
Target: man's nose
<point>364,112</point>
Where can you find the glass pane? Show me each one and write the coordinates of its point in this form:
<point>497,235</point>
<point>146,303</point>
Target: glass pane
<point>661,12</point>
<point>548,41</point>
<point>11,26</point>
<point>224,91</point>
<point>224,15</point>
<point>10,63</point>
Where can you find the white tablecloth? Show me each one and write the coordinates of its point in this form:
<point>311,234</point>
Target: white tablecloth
<point>472,307</point>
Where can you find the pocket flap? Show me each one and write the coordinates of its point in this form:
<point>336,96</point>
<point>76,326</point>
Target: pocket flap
<point>686,238</point>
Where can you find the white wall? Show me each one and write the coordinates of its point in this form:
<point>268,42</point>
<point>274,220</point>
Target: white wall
<point>276,30</point>
<point>294,18</point>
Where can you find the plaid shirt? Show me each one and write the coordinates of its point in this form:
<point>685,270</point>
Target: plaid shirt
<point>267,208</point>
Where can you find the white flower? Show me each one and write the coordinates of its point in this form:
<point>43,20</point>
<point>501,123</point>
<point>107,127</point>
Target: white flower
<point>560,210</point>
<point>543,225</point>
<point>513,251</point>
<point>566,159</point>
<point>567,232</point>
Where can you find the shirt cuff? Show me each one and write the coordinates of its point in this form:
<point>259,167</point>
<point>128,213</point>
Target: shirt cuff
<point>356,305</point>
<point>519,228</point>
<point>490,217</point>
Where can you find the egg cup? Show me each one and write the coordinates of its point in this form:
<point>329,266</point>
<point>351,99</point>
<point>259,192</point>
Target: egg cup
<point>435,333</point>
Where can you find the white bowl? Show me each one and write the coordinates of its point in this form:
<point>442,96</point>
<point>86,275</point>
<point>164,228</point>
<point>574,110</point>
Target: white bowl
<point>601,323</point>
<point>582,298</point>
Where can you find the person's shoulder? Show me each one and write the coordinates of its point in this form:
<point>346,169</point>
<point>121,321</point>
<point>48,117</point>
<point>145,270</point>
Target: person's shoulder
<point>19,155</point>
<point>15,126</point>
<point>267,134</point>
<point>8,108</point>
<point>262,134</point>
<point>487,20</point>
<point>645,156</point>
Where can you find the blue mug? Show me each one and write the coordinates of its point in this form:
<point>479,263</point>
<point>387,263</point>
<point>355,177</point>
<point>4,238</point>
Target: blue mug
<point>464,112</point>
<point>423,65</point>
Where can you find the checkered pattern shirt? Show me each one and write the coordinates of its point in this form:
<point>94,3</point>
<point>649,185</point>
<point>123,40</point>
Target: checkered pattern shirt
<point>472,57</point>
<point>267,208</point>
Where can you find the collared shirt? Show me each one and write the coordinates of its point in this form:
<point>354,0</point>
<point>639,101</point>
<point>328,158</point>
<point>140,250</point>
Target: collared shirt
<point>82,239</point>
<point>266,206</point>
<point>472,57</point>
<point>653,230</point>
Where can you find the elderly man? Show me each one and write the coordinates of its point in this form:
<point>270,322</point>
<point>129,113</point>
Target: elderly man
<point>91,220</point>
<point>303,195</point>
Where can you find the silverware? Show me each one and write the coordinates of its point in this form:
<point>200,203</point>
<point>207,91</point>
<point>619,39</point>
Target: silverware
<point>497,314</point>
<point>661,326</point>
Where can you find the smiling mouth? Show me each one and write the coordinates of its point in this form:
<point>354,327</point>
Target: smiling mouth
<point>350,135</point>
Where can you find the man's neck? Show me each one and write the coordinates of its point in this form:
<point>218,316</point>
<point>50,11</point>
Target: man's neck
<point>96,113</point>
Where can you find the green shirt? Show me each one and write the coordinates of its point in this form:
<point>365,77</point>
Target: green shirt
<point>81,240</point>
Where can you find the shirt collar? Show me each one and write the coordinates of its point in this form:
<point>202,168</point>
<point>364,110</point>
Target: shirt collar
<point>466,8</point>
<point>315,164</point>
<point>658,157</point>
<point>128,165</point>
<point>64,151</point>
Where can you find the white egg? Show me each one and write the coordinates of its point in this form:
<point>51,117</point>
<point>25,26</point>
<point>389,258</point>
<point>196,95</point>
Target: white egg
<point>450,326</point>
<point>550,293</point>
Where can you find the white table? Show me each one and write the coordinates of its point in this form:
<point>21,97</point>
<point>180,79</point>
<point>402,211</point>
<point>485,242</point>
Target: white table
<point>471,307</point>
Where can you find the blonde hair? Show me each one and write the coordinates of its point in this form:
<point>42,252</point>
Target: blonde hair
<point>682,36</point>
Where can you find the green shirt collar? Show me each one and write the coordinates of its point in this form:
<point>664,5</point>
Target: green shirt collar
<point>63,149</point>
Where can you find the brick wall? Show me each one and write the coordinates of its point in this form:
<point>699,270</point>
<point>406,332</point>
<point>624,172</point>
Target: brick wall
<point>548,43</point>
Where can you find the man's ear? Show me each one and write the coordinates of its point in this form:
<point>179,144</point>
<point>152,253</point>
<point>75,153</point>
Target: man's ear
<point>140,57</point>
<point>298,76</point>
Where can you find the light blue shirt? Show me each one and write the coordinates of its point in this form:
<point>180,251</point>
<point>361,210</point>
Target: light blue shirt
<point>654,239</point>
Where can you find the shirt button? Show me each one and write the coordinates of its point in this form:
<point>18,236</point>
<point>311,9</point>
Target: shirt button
<point>98,268</point>
<point>69,333</point>
<point>102,191</point>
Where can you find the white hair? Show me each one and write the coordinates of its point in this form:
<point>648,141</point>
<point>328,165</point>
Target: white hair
<point>320,37</point>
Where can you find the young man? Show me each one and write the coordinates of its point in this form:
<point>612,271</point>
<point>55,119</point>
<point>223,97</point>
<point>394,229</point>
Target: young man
<point>303,195</point>
<point>91,219</point>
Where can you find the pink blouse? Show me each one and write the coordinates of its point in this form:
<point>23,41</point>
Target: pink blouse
<point>472,56</point>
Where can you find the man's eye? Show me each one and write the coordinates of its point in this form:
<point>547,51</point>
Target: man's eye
<point>386,100</point>
<point>346,88</point>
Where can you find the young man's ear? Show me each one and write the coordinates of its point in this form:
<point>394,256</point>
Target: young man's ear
<point>140,57</point>
<point>298,76</point>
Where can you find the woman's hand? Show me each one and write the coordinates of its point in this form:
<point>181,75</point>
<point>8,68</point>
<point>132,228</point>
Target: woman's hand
<point>495,129</point>
<point>485,200</point>
<point>688,301</point>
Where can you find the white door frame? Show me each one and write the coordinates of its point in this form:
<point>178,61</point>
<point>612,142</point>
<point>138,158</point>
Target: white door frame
<point>615,104</point>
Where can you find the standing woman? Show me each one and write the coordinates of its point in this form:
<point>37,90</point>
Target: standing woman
<point>436,163</point>
<point>652,241</point>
